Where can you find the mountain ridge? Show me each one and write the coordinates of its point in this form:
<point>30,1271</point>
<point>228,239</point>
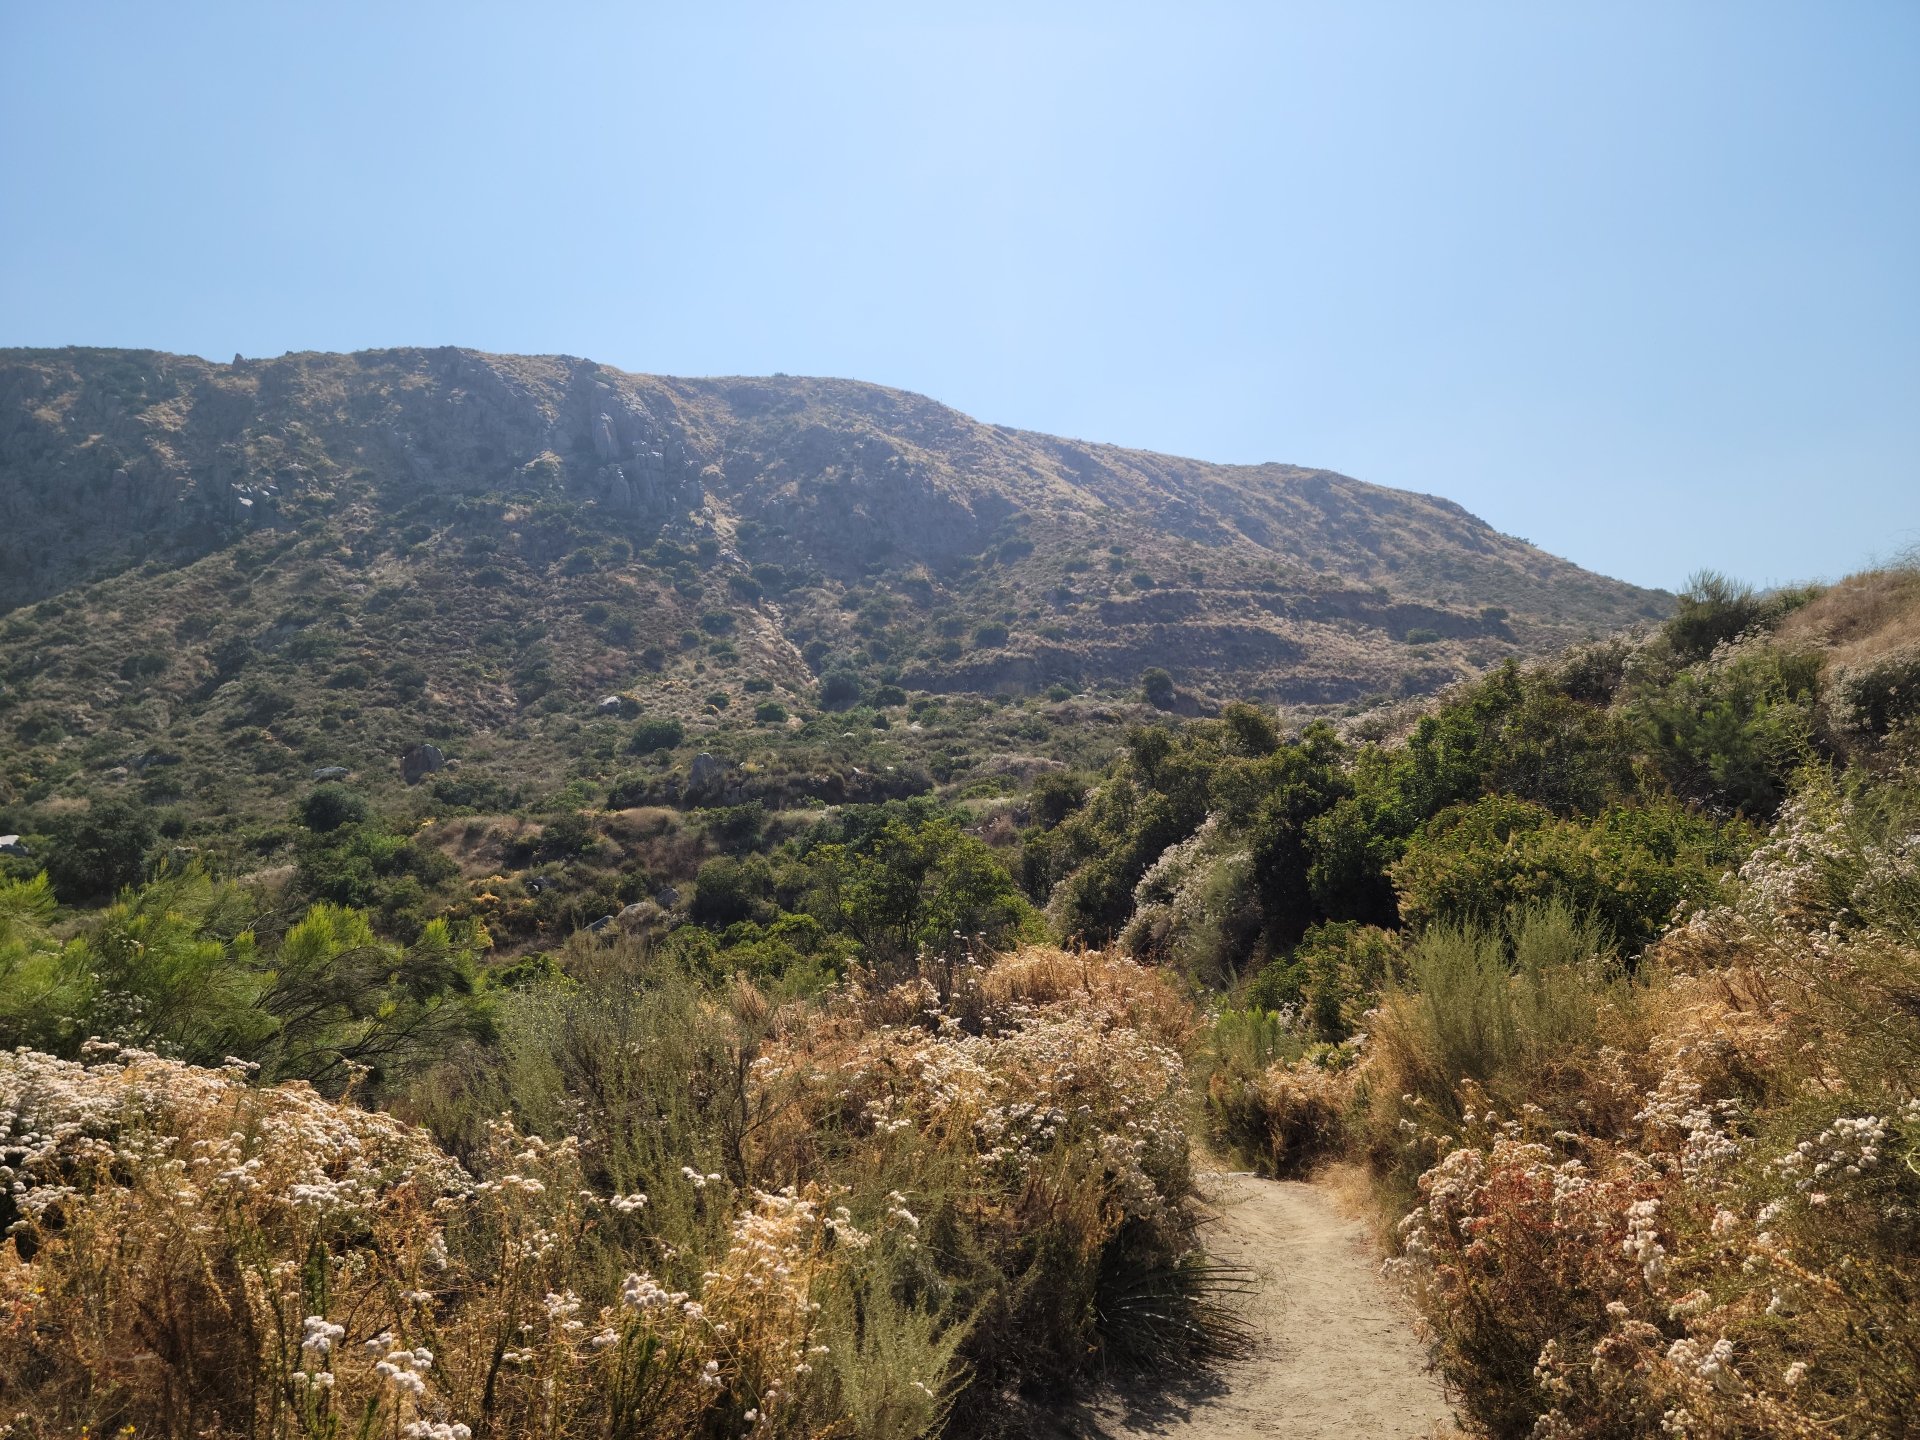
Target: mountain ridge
<point>334,556</point>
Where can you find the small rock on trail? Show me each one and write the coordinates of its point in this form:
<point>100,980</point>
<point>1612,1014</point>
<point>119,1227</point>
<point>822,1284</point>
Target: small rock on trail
<point>1333,1353</point>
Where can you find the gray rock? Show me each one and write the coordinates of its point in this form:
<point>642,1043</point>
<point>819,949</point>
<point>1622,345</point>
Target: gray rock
<point>13,845</point>
<point>706,776</point>
<point>420,762</point>
<point>537,885</point>
<point>331,772</point>
<point>666,897</point>
<point>601,926</point>
<point>605,443</point>
<point>613,705</point>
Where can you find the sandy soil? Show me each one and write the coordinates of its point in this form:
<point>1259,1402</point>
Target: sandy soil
<point>1333,1350</point>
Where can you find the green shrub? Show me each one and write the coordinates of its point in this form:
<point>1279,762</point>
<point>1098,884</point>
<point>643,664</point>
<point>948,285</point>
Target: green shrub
<point>727,891</point>
<point>1157,685</point>
<point>1630,868</point>
<point>94,854</point>
<point>656,734</point>
<point>1711,610</point>
<point>839,690</point>
<point>1733,732</point>
<point>328,807</point>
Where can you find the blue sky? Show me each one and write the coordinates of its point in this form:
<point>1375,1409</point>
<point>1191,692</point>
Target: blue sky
<point>1638,282</point>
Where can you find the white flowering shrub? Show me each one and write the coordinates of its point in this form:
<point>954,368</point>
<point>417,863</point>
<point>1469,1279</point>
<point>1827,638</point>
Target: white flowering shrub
<point>890,1201</point>
<point>1737,1251</point>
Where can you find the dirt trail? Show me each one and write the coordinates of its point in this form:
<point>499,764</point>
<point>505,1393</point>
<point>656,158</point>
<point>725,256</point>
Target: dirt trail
<point>1333,1351</point>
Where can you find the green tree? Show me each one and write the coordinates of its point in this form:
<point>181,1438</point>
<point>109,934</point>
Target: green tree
<point>97,852</point>
<point>915,886</point>
<point>1158,687</point>
<point>328,807</point>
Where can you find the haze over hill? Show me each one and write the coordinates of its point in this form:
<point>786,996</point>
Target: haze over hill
<point>466,540</point>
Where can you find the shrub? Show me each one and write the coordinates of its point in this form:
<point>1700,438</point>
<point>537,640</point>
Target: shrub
<point>656,734</point>
<point>1872,698</point>
<point>568,836</point>
<point>1732,732</point>
<point>1630,868</point>
<point>990,636</point>
<point>1157,685</point>
<point>328,807</point>
<point>839,690</point>
<point>1712,609</point>
<point>770,712</point>
<point>92,855</point>
<point>727,891</point>
<point>1055,795</point>
<point>1282,1118</point>
<point>144,666</point>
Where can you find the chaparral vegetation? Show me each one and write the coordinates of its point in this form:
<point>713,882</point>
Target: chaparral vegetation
<point>678,1108</point>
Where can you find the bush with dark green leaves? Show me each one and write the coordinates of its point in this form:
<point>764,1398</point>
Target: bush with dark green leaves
<point>656,733</point>
<point>1630,867</point>
<point>839,690</point>
<point>328,807</point>
<point>94,854</point>
<point>1157,685</point>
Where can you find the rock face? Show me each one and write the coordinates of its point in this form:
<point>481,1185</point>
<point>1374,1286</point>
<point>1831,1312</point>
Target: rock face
<point>784,513</point>
<point>420,762</point>
<point>706,778</point>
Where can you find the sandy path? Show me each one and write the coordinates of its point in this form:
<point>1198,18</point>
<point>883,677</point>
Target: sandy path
<point>1333,1349</point>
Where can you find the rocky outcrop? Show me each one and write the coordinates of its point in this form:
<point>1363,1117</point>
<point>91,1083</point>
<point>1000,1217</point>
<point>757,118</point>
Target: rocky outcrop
<point>420,762</point>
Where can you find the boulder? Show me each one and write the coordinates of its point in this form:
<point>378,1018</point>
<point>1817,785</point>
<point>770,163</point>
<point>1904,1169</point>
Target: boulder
<point>705,779</point>
<point>13,845</point>
<point>331,772</point>
<point>601,926</point>
<point>614,705</point>
<point>420,762</point>
<point>666,897</point>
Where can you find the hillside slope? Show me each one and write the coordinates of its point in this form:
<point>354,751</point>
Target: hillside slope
<point>322,559</point>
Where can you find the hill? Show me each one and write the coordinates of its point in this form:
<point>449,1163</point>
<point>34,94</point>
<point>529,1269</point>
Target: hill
<point>240,573</point>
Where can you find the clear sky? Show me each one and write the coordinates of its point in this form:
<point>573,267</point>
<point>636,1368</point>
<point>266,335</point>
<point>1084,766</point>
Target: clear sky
<point>1637,281</point>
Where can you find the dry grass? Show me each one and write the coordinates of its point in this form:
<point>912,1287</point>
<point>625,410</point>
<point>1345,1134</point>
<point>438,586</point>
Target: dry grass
<point>1712,1230</point>
<point>1863,618</point>
<point>851,1209</point>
